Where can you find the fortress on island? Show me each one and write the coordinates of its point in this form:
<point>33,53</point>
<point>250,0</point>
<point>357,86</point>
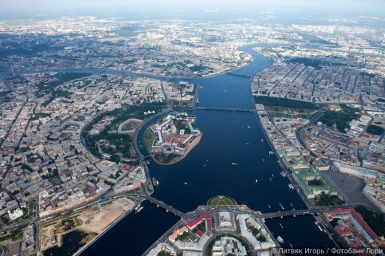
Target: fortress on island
<point>173,137</point>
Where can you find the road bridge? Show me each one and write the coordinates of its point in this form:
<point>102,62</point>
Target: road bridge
<point>239,75</point>
<point>167,207</point>
<point>225,109</point>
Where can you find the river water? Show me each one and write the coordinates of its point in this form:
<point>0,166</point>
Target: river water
<point>232,154</point>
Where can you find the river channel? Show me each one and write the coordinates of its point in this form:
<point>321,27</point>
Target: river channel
<point>232,155</point>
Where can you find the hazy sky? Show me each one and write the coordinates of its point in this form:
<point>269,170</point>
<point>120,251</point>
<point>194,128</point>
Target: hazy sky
<point>9,7</point>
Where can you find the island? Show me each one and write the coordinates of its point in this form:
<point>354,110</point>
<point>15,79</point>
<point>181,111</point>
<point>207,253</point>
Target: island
<point>171,138</point>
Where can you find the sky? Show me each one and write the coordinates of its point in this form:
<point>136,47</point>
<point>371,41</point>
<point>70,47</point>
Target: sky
<point>152,7</point>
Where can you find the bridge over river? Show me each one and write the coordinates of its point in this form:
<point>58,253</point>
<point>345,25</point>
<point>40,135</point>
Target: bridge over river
<point>236,209</point>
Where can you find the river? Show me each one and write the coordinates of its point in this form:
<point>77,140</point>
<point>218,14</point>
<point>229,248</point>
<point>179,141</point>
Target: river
<point>208,170</point>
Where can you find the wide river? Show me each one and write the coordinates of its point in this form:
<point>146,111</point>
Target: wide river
<point>228,137</point>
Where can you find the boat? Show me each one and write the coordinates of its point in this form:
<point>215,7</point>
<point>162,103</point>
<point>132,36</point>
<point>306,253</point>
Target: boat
<point>137,208</point>
<point>271,153</point>
<point>283,174</point>
<point>185,183</point>
<point>272,175</point>
<point>269,206</point>
<point>281,206</point>
<point>261,140</point>
<point>249,127</point>
<point>281,225</point>
<point>263,160</point>
<point>280,239</point>
<point>155,182</point>
<point>291,186</point>
<point>247,143</point>
<point>291,245</point>
<point>141,208</point>
<point>291,204</point>
<point>147,162</point>
<point>318,225</point>
<point>270,179</point>
<point>256,181</point>
<point>234,163</point>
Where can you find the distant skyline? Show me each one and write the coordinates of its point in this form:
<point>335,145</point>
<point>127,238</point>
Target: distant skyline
<point>150,8</point>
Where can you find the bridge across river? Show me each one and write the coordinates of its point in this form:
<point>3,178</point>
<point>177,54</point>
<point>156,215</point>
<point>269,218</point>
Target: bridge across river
<point>221,109</point>
<point>237,209</point>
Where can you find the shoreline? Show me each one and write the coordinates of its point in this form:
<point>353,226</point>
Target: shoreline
<point>179,158</point>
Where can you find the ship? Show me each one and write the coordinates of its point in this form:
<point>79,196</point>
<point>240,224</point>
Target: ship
<point>269,206</point>
<point>155,182</point>
<point>185,183</point>
<point>281,206</point>
<point>283,174</point>
<point>271,153</point>
<point>137,208</point>
<point>256,181</point>
<point>249,127</point>
<point>281,225</point>
<point>261,140</point>
<point>291,186</point>
<point>318,225</point>
<point>280,239</point>
<point>141,208</point>
<point>234,163</point>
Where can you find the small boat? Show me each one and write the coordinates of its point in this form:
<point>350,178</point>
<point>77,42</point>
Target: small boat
<point>272,175</point>
<point>281,225</point>
<point>283,174</point>
<point>234,163</point>
<point>261,140</point>
<point>249,127</point>
<point>280,239</point>
<point>256,181</point>
<point>269,206</point>
<point>318,225</point>
<point>185,183</point>
<point>291,245</point>
<point>281,206</point>
<point>270,179</point>
<point>141,208</point>
<point>137,208</point>
<point>291,186</point>
<point>291,204</point>
<point>247,143</point>
<point>263,160</point>
<point>271,153</point>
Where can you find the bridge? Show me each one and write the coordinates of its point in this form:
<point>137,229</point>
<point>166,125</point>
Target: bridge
<point>235,74</point>
<point>167,207</point>
<point>226,109</point>
<point>235,209</point>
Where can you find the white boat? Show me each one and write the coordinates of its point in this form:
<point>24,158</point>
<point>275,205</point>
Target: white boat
<point>256,181</point>
<point>269,206</point>
<point>261,140</point>
<point>141,208</point>
<point>249,127</point>
<point>281,225</point>
<point>280,239</point>
<point>270,179</point>
<point>318,225</point>
<point>234,163</point>
<point>291,186</point>
<point>283,174</point>
<point>271,153</point>
<point>281,206</point>
<point>272,175</point>
<point>137,208</point>
<point>185,183</point>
